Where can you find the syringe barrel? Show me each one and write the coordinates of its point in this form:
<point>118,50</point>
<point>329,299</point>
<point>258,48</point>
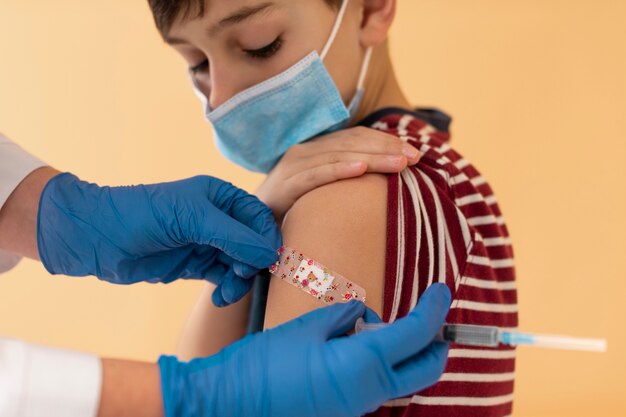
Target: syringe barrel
<point>466,334</point>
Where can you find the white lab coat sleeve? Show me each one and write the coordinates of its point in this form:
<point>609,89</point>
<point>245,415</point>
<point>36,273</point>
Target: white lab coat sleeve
<point>15,165</point>
<point>37,381</point>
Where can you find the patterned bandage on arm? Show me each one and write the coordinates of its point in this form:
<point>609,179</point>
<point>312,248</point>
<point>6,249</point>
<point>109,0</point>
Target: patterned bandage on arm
<point>315,279</point>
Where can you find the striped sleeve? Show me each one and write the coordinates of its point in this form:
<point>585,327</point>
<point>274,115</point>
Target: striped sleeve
<point>444,225</point>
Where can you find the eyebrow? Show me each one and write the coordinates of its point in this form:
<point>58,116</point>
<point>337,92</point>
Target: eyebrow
<point>239,16</point>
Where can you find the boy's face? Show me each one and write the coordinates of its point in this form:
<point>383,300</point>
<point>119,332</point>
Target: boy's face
<point>240,43</point>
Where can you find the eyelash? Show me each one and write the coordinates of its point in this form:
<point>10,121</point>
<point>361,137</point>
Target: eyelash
<point>262,53</point>
<point>267,51</point>
<point>203,65</point>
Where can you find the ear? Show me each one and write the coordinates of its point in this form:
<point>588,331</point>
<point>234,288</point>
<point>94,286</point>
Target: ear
<point>377,17</point>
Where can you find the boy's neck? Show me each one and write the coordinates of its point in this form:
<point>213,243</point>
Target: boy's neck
<point>381,86</point>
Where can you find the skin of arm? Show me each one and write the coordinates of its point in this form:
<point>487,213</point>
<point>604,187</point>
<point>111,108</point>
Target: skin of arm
<point>209,329</point>
<point>18,216</point>
<point>130,389</point>
<point>342,226</point>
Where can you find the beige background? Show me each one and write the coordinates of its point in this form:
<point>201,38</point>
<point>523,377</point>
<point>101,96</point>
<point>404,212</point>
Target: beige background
<point>538,92</point>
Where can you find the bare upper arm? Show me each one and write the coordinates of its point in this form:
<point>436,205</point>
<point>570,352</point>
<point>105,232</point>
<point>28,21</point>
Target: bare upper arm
<point>209,329</point>
<point>342,226</point>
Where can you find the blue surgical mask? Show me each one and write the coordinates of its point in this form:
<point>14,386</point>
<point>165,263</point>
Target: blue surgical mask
<point>256,127</point>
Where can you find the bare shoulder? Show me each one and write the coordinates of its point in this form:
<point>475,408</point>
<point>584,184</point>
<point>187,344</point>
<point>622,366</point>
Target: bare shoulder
<point>343,226</point>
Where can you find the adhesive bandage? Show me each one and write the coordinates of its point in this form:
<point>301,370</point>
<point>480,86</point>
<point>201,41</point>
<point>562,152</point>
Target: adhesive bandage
<point>314,278</point>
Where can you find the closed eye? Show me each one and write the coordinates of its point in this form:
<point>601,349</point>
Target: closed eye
<point>200,67</point>
<point>267,51</point>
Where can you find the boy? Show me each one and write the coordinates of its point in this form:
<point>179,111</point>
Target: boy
<point>273,74</point>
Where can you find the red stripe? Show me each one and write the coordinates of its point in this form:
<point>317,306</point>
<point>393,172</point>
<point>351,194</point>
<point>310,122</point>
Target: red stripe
<point>411,238</point>
<point>391,255</point>
<point>478,366</point>
<point>468,389</point>
<point>443,411</point>
<point>483,295</point>
<point>453,217</point>
<point>464,316</point>
<point>486,272</point>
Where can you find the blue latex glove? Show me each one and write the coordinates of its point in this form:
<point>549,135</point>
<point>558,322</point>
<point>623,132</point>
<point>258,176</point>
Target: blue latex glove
<point>303,368</point>
<point>199,228</point>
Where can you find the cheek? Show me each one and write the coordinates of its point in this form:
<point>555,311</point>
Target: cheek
<point>344,62</point>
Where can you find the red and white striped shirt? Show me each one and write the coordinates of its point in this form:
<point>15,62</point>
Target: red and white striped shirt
<point>444,225</point>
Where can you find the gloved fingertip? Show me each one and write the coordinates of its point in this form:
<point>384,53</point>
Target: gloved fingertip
<point>439,293</point>
<point>371,316</point>
<point>217,298</point>
<point>341,318</point>
<point>243,270</point>
<point>352,306</point>
<point>235,288</point>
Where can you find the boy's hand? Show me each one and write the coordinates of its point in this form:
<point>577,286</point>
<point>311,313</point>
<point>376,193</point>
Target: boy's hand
<point>340,155</point>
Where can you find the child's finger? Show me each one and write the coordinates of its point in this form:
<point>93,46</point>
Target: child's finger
<point>381,163</point>
<point>362,140</point>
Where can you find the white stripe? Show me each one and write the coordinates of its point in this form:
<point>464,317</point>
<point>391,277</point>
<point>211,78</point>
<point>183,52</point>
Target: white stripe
<point>469,199</point>
<point>497,241</point>
<point>381,126</point>
<point>426,130</point>
<point>467,236</point>
<point>461,163</point>
<point>494,263</point>
<point>462,177</point>
<point>467,401</point>
<point>442,230</point>
<point>400,258</point>
<point>487,307</point>
<point>416,197</point>
<point>483,220</point>
<point>479,260</point>
<point>502,263</point>
<point>481,354</point>
<point>491,200</point>
<point>403,124</point>
<point>458,179</point>
<point>443,161</point>
<point>443,148</point>
<point>489,284</point>
<point>469,377</point>
<point>444,174</point>
<point>478,180</point>
<point>429,241</point>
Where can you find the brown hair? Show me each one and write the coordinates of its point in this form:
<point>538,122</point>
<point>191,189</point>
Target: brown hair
<point>165,12</point>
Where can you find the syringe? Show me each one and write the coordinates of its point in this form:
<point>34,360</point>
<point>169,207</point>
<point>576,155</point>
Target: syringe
<point>491,336</point>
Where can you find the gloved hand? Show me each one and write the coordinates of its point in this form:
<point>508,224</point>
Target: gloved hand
<point>303,368</point>
<point>200,228</point>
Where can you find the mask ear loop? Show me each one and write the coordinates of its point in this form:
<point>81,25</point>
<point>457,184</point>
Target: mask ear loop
<point>365,67</point>
<point>353,107</point>
<point>333,34</point>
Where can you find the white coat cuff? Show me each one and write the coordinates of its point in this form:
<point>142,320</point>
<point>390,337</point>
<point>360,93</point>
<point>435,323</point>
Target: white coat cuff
<point>47,382</point>
<point>15,165</point>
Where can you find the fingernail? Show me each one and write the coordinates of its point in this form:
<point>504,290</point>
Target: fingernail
<point>409,151</point>
<point>443,291</point>
<point>357,165</point>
